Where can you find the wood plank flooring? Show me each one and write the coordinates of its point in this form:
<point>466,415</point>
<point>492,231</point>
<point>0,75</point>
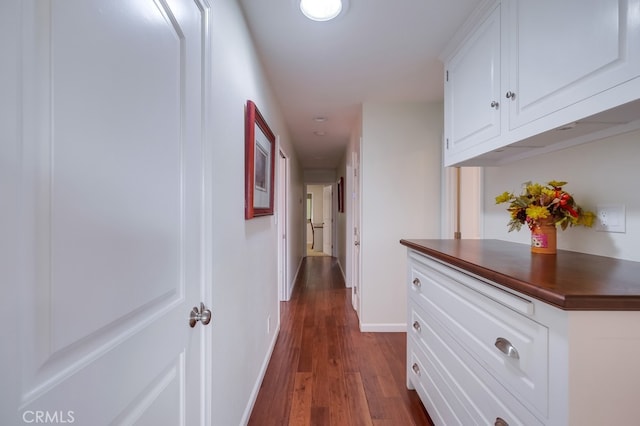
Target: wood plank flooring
<point>324,371</point>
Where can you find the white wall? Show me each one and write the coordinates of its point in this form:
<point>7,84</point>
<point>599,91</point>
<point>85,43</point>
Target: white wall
<point>244,288</point>
<point>318,176</point>
<point>316,192</point>
<point>601,172</point>
<point>401,175</point>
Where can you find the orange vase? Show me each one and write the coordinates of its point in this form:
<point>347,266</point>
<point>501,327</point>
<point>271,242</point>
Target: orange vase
<point>543,238</point>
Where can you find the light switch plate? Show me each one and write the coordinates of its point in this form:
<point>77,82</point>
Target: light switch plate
<point>610,218</point>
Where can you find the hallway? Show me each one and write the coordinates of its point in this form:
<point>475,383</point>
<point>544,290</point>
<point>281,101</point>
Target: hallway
<point>324,371</point>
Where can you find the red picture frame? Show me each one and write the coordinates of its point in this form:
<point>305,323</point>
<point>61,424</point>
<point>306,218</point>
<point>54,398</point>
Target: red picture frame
<point>259,164</point>
<point>341,195</point>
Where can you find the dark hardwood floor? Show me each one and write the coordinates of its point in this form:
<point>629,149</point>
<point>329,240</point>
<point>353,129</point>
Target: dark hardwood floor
<point>324,371</point>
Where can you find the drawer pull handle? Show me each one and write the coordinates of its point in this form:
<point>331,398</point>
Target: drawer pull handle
<point>507,348</point>
<point>415,369</point>
<point>417,283</point>
<point>416,326</point>
<point>500,422</point>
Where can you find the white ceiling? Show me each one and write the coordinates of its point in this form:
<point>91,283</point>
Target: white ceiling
<point>376,51</point>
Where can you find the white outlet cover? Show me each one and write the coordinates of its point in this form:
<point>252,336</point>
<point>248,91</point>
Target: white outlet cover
<point>610,218</point>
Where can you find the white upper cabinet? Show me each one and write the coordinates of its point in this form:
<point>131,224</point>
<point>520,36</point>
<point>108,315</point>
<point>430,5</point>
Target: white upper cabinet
<point>564,52</point>
<point>572,65</point>
<point>473,88</point>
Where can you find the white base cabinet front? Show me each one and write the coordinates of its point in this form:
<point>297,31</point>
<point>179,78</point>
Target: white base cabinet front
<point>481,353</point>
<point>471,394</point>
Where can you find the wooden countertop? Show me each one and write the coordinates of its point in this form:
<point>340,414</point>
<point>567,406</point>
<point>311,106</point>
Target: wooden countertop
<point>568,280</point>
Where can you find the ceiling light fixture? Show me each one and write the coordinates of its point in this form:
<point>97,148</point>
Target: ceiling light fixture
<point>320,119</point>
<point>321,10</point>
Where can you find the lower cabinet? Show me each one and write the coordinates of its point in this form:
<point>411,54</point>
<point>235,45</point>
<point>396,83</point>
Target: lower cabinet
<point>474,360</point>
<point>439,365</point>
<point>481,353</point>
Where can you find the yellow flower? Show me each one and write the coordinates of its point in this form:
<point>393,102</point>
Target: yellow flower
<point>504,197</point>
<point>557,184</point>
<point>550,193</point>
<point>534,189</point>
<point>587,219</point>
<point>537,212</point>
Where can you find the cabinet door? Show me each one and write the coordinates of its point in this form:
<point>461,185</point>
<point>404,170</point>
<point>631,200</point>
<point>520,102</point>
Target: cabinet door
<point>472,90</point>
<point>561,53</point>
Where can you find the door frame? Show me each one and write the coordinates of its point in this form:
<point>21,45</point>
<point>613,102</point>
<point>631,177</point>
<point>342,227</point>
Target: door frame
<point>462,192</point>
<point>331,210</point>
<point>208,262</point>
<point>282,218</point>
<point>334,207</point>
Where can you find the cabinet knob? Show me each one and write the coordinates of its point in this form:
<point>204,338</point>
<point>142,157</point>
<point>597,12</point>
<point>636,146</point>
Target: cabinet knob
<point>510,95</point>
<point>415,369</point>
<point>495,104</point>
<point>500,422</point>
<point>416,326</point>
<point>416,282</point>
<point>507,348</point>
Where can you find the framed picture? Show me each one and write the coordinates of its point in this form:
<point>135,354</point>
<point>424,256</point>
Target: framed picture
<point>341,195</point>
<point>259,162</point>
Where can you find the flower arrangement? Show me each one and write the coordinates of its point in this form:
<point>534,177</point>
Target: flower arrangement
<point>539,203</point>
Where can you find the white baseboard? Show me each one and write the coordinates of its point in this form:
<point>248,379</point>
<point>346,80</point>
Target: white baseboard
<point>344,276</point>
<point>263,371</point>
<point>383,328</point>
<point>293,282</point>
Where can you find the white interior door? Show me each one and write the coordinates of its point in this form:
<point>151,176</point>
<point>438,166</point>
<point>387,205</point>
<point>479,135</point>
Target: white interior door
<point>355,290</point>
<point>110,174</point>
<point>282,194</point>
<point>327,220</point>
<point>349,237</point>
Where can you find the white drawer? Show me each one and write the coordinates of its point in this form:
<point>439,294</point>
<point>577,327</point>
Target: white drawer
<point>472,394</point>
<point>511,346</point>
<point>441,403</point>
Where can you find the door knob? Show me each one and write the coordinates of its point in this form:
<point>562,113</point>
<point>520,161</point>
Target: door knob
<point>203,315</point>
